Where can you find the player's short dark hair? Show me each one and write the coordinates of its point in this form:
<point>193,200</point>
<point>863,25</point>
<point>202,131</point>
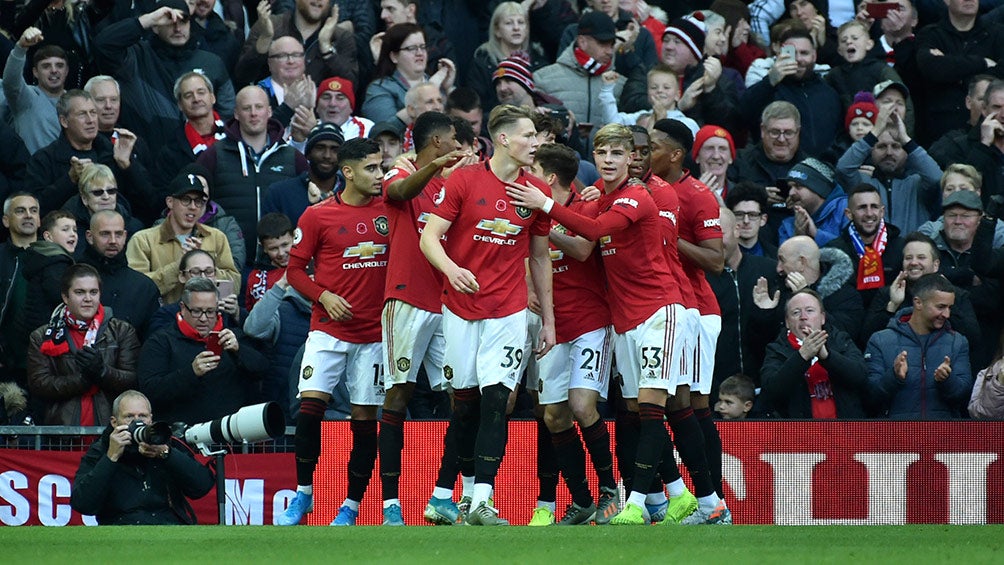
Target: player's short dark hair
<point>739,386</point>
<point>917,237</point>
<point>46,52</point>
<point>546,122</point>
<point>187,258</point>
<point>356,150</point>
<point>640,129</point>
<point>560,160</point>
<point>427,125</point>
<point>77,271</point>
<point>63,105</point>
<point>746,190</point>
<point>463,98</point>
<point>274,225</point>
<point>465,133</point>
<point>930,283</point>
<point>50,219</point>
<point>505,115</point>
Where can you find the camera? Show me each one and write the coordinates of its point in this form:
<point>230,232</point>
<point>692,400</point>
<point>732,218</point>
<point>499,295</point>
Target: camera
<point>157,433</point>
<point>251,423</point>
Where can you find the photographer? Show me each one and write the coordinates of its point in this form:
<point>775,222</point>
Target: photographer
<point>122,482</point>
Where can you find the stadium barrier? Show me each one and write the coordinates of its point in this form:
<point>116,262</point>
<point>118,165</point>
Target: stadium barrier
<point>865,472</point>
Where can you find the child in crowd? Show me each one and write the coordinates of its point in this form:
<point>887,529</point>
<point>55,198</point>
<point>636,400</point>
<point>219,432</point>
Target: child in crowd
<point>663,95</point>
<point>735,397</point>
<point>275,234</point>
<point>859,121</point>
<point>860,70</point>
<point>44,265</point>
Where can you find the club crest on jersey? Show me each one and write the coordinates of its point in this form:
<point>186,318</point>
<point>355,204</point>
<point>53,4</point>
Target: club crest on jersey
<point>448,372</point>
<point>403,364</point>
<point>380,223</point>
<point>308,372</point>
<point>297,235</point>
<point>499,226</point>
<point>365,250</point>
<point>523,212</point>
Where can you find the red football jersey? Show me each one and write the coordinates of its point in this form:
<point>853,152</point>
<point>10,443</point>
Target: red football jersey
<point>630,237</point>
<point>259,281</point>
<point>580,301</point>
<point>699,221</point>
<point>349,247</point>
<point>410,277</point>
<point>669,213</point>
<point>490,238</point>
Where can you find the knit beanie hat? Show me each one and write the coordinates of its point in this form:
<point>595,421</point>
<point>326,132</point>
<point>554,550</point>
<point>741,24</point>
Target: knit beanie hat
<point>813,174</point>
<point>691,31</point>
<point>517,68</point>
<point>709,131</point>
<point>338,84</point>
<point>324,132</point>
<point>863,107</point>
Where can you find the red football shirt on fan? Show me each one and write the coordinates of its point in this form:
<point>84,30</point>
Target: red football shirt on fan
<point>580,301</point>
<point>349,247</point>
<point>490,238</point>
<point>699,221</point>
<point>669,213</point>
<point>630,237</point>
<point>410,277</point>
<point>259,281</point>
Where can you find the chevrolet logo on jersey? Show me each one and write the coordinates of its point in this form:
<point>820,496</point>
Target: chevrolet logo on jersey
<point>365,250</point>
<point>499,226</point>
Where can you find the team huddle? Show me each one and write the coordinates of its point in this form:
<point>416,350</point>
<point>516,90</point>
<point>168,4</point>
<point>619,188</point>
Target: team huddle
<point>518,272</point>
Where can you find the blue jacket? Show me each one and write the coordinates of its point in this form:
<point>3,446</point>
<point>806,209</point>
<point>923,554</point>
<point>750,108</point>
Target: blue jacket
<point>830,220</point>
<point>919,396</point>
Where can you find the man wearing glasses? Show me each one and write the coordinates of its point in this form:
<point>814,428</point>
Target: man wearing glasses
<point>748,203</point>
<point>196,370</point>
<point>156,251</point>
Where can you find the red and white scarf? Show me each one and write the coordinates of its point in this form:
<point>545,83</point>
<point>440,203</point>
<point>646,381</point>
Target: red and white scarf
<point>199,142</point>
<point>871,273</point>
<point>54,341</point>
<point>590,65</point>
<point>817,379</point>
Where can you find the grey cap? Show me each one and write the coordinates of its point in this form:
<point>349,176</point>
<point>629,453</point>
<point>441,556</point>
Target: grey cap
<point>964,198</point>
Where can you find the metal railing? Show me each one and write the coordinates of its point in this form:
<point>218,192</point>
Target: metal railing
<point>79,438</point>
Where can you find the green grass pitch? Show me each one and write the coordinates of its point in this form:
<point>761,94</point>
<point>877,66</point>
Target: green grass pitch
<point>915,545</point>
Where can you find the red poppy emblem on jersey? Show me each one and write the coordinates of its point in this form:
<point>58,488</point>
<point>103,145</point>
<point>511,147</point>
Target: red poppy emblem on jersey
<point>500,205</point>
<point>361,228</point>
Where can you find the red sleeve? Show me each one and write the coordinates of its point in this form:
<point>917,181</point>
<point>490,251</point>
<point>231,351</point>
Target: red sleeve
<point>304,245</point>
<point>707,222</point>
<point>617,218</point>
<point>453,190</point>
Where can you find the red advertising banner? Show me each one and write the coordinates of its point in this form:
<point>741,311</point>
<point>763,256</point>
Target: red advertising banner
<point>775,473</point>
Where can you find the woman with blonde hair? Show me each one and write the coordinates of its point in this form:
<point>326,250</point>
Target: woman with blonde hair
<point>509,34</point>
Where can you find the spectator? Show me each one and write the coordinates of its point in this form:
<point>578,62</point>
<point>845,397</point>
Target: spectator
<point>321,180</point>
<point>44,265</point>
<point>403,55</point>
<point>104,90</point>
<point>987,399</point>
<point>894,96</point>
<point>905,176</point>
<point>275,235</point>
<point>33,108</point>
<point>960,177</point>
<point>213,34</point>
<point>793,79</point>
<point>508,34</point>
<point>802,264</point>
<point>148,69</point>
<point>514,84</point>
<point>871,240</point>
<point>949,53</point>
<point>184,376</point>
<point>336,104</point>
<point>860,69</point>
<point>421,98</point>
<point>255,148</point>
<point>54,170</point>
<point>98,191</point>
<point>123,483</point>
<point>464,103</point>
<point>636,53</point>
<point>816,201</point>
<point>760,68</point>
<point>814,17</point>
<point>20,218</point>
<point>920,257</point>
<point>742,45</point>
<point>735,397</point>
<point>390,137</point>
<point>663,97</point>
<point>714,152</point>
<point>438,45</point>
<point>287,85</point>
<point>203,127</point>
<point>748,203</point>
<point>155,251</point>
<point>84,356</point>
<point>919,367</point>
<point>546,16</point>
<point>954,141</point>
<point>13,161</point>
<point>197,263</point>
<point>812,372</point>
<point>132,296</point>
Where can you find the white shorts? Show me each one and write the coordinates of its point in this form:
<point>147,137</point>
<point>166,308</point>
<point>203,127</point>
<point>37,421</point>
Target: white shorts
<point>689,331</point>
<point>482,353</point>
<point>582,363</point>
<point>533,325</point>
<point>648,355</point>
<point>412,337</point>
<point>704,356</point>
<point>328,360</point>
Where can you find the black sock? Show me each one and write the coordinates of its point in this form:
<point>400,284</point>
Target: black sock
<point>307,441</point>
<point>362,458</point>
<point>668,471</point>
<point>391,444</point>
<point>458,444</point>
<point>547,464</point>
<point>690,444</point>
<point>597,439</point>
<point>712,447</point>
<point>572,460</point>
<point>650,443</point>
<point>493,433</point>
<point>627,427</point>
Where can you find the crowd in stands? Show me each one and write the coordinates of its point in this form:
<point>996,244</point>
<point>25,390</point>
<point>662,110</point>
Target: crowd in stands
<point>157,156</point>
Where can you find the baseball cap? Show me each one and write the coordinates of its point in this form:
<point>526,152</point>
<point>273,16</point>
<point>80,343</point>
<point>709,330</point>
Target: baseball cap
<point>887,84</point>
<point>186,183</point>
<point>386,127</point>
<point>177,5</point>
<point>597,25</point>
<point>965,199</point>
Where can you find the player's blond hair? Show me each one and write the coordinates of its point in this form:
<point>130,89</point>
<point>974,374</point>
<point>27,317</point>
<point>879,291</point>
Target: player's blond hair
<point>614,134</point>
<point>505,115</point>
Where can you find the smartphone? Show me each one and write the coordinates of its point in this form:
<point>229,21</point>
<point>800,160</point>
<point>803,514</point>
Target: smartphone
<point>226,288</point>
<point>784,188</point>
<point>880,10</point>
<point>788,51</point>
<point>213,343</point>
